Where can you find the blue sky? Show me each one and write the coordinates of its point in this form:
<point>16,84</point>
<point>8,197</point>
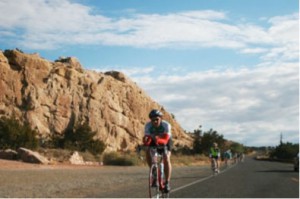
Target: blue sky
<point>228,65</point>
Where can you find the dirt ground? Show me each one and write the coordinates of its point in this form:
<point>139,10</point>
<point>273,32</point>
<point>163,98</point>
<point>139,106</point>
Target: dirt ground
<point>19,165</point>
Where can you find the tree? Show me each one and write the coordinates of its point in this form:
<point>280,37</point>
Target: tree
<point>285,151</point>
<point>14,134</point>
<point>197,140</point>
<point>237,148</point>
<point>209,138</point>
<point>81,138</point>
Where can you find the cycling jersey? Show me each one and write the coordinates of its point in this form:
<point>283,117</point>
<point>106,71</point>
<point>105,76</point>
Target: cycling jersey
<point>163,130</point>
<point>214,153</point>
<point>164,127</point>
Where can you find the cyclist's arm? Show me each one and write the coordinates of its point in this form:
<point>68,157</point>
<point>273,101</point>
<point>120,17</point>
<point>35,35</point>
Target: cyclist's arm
<point>162,139</point>
<point>159,139</point>
<point>147,139</point>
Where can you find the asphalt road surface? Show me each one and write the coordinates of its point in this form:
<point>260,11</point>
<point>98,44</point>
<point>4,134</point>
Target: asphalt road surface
<point>249,179</point>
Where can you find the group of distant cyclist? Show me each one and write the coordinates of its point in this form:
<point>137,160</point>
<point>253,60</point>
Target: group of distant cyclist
<point>158,133</point>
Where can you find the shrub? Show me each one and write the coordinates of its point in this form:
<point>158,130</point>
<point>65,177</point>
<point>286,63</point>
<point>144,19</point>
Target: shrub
<point>13,134</point>
<point>115,158</point>
<point>285,151</point>
<point>81,138</point>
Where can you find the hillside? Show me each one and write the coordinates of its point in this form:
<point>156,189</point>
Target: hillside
<point>53,96</point>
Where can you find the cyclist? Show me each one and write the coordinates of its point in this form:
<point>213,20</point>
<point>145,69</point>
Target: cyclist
<point>227,156</point>
<point>215,156</point>
<point>158,132</point>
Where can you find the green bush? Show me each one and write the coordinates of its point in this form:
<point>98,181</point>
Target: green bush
<point>13,134</point>
<point>117,159</point>
<point>285,151</point>
<point>81,138</point>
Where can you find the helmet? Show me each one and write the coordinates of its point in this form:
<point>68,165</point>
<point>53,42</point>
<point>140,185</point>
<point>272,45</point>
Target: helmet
<point>155,113</point>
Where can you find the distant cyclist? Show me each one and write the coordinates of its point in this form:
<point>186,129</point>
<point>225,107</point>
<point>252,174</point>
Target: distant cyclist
<point>227,156</point>
<point>215,155</point>
<point>158,132</point>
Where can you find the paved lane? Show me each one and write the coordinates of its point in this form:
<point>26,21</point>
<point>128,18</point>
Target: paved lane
<point>260,179</point>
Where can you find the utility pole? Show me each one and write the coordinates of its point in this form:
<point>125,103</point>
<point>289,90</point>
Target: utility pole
<point>281,139</point>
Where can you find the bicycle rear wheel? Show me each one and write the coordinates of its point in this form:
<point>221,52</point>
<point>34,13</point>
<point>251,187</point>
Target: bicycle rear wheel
<point>154,191</point>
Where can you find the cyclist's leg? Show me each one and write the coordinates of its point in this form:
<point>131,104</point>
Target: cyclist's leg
<point>168,166</point>
<point>212,162</point>
<point>167,161</point>
<point>218,164</point>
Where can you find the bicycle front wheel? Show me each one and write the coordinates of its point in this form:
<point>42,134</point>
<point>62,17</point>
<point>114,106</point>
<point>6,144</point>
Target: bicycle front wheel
<point>153,182</point>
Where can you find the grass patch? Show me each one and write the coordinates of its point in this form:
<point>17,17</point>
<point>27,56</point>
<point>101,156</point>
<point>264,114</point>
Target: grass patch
<point>189,160</point>
<point>133,159</point>
<point>121,159</point>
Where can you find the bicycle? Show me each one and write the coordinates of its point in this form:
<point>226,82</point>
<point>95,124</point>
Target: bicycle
<point>156,173</point>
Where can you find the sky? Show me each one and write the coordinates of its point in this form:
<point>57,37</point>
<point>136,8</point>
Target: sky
<point>227,65</point>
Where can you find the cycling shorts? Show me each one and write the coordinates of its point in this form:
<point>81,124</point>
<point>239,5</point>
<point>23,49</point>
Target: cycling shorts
<point>215,157</point>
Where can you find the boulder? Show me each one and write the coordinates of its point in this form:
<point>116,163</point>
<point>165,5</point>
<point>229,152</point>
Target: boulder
<point>29,156</point>
<point>8,154</point>
<point>76,159</point>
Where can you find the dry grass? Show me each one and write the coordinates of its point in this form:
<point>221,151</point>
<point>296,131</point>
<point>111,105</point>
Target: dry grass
<point>189,160</point>
<point>122,158</point>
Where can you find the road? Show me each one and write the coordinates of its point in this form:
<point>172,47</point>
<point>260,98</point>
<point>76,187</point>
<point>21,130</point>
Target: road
<point>251,179</point>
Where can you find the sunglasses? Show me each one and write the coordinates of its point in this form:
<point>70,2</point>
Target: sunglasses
<point>155,119</point>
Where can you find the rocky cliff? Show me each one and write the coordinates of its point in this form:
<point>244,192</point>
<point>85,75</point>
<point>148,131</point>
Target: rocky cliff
<point>52,96</point>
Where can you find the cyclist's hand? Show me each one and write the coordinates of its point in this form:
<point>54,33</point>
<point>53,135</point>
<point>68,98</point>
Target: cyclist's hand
<point>147,139</point>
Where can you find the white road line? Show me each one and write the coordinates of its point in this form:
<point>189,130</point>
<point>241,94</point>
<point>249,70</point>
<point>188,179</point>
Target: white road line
<point>200,180</point>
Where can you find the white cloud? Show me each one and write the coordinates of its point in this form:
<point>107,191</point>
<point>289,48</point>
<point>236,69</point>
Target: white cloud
<point>251,105</point>
<point>246,105</point>
<point>45,24</point>
<point>254,50</point>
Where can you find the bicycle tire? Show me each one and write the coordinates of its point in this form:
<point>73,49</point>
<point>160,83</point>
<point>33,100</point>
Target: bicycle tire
<point>154,192</point>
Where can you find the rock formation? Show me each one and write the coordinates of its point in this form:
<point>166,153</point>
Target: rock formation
<point>53,96</point>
